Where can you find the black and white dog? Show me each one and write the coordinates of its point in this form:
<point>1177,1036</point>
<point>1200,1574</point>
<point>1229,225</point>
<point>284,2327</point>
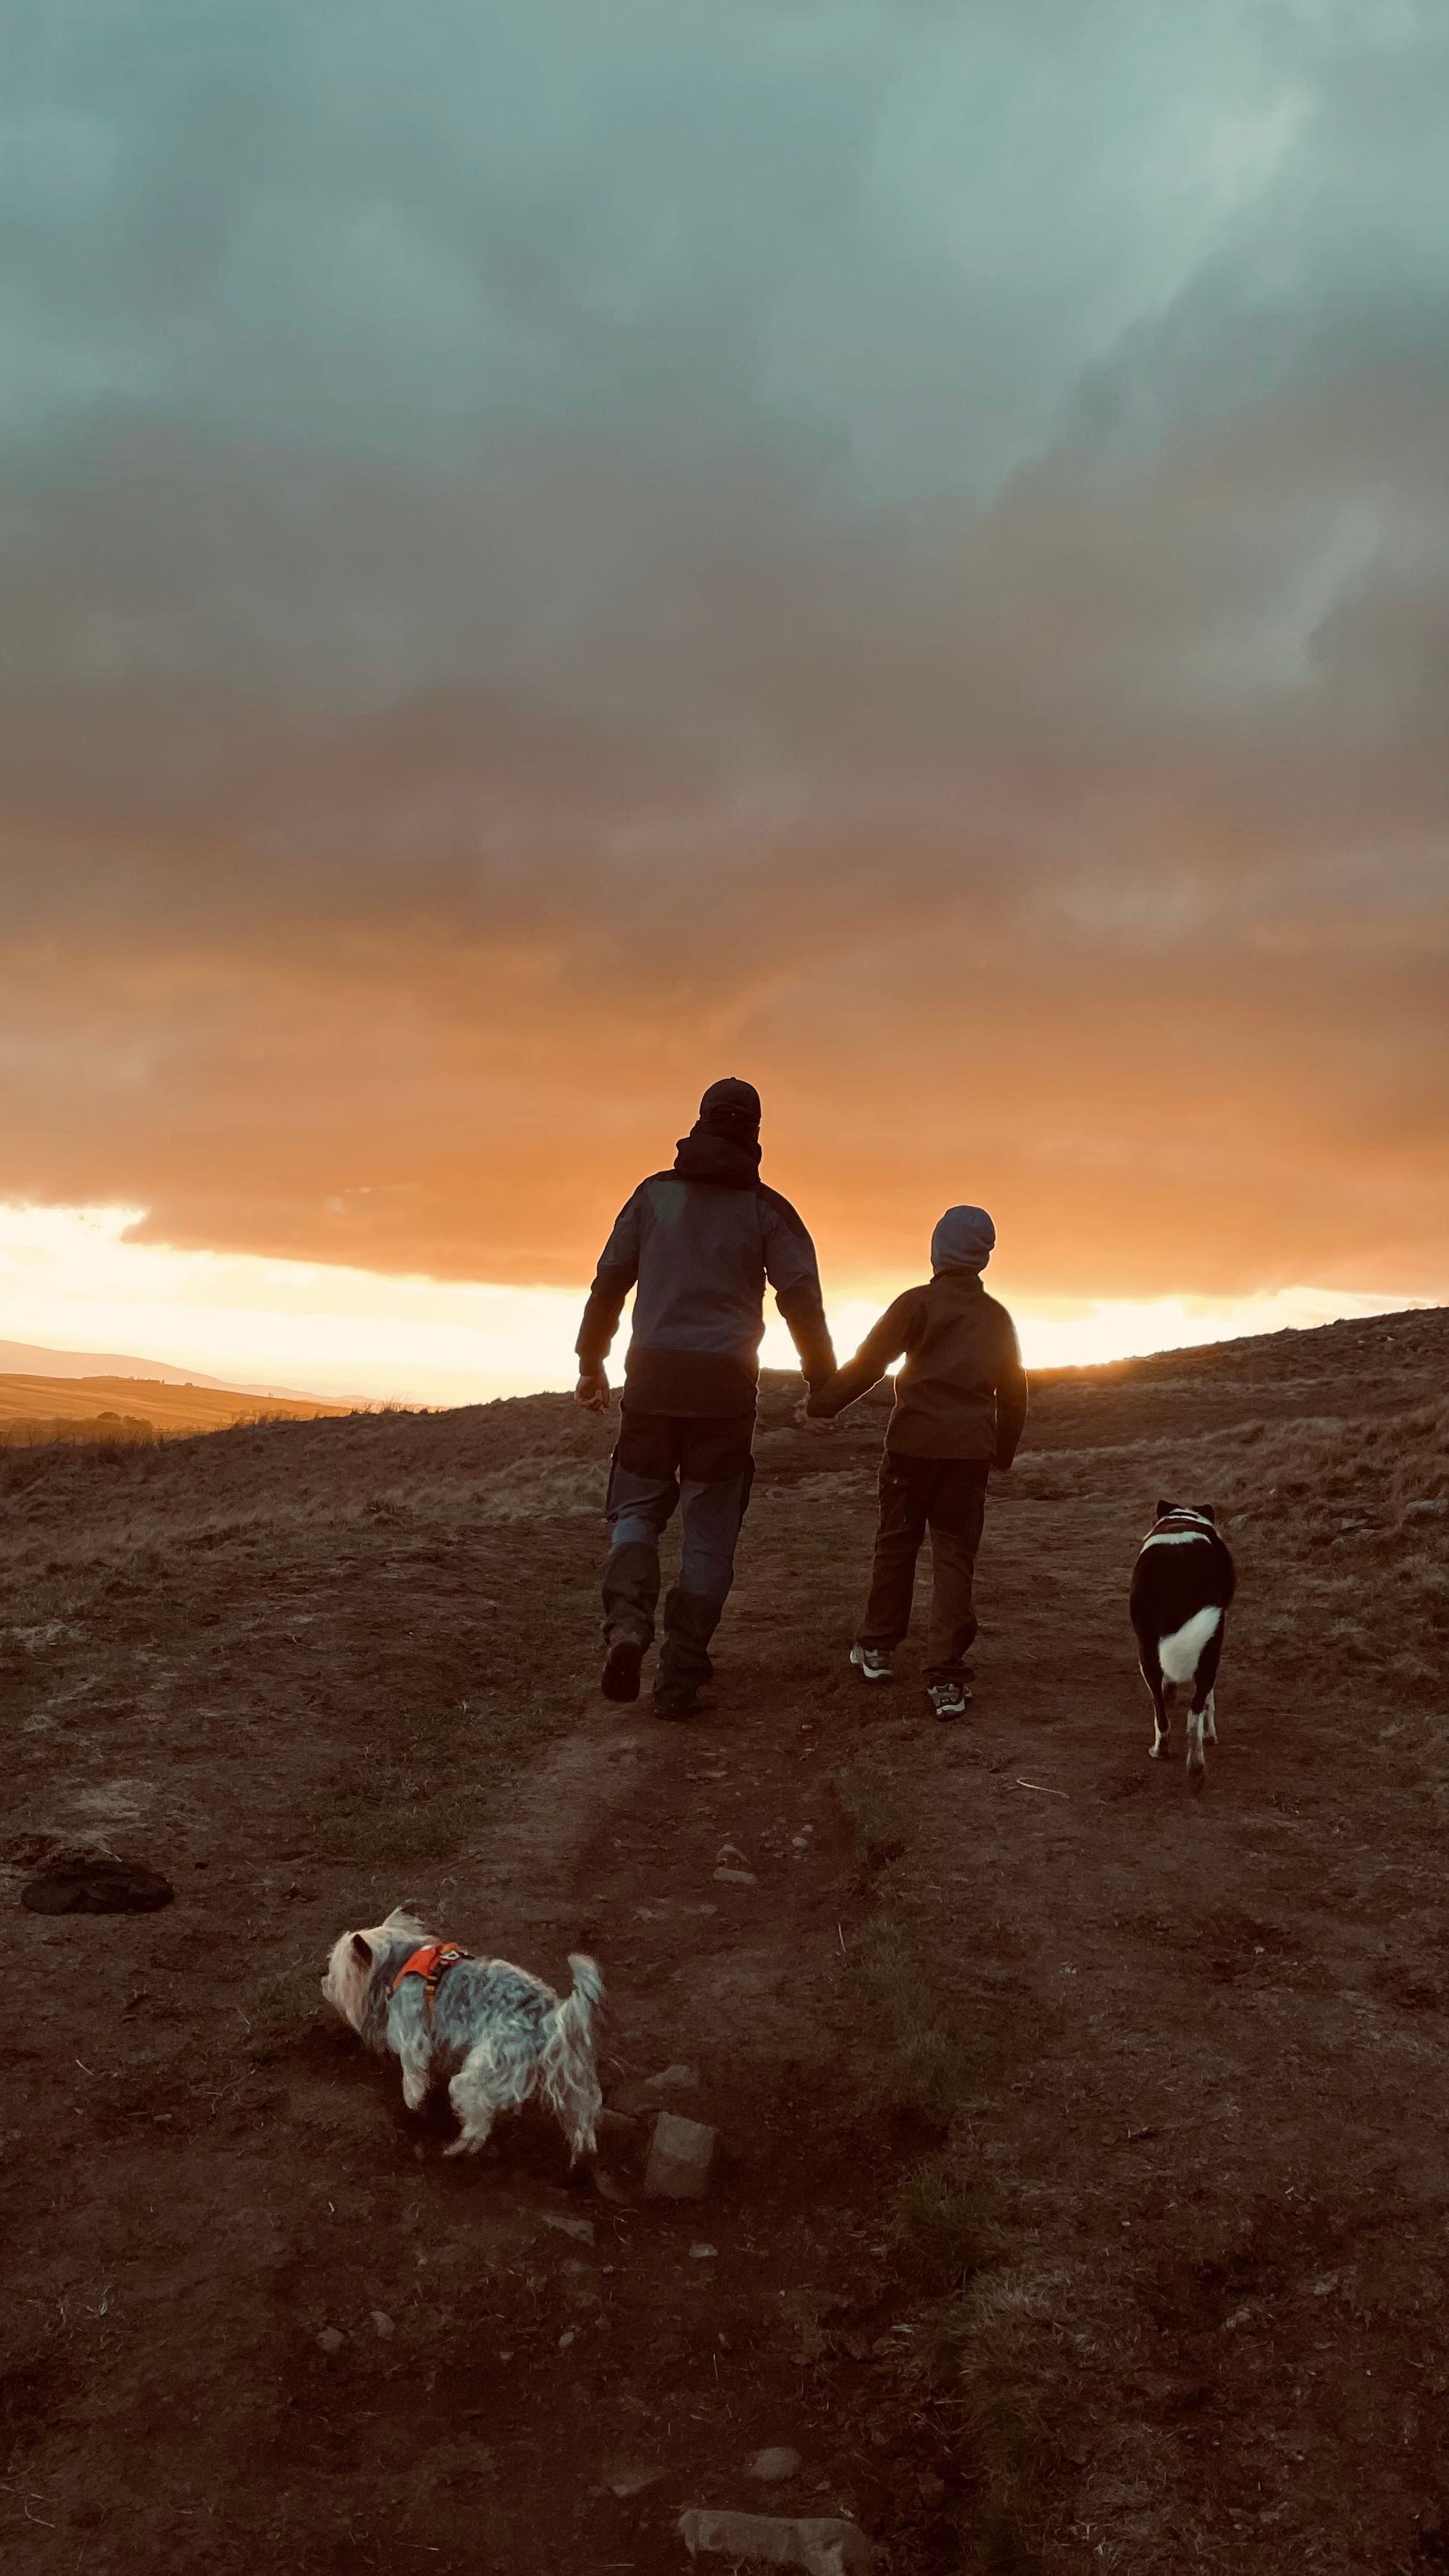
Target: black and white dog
<point>1182,1584</point>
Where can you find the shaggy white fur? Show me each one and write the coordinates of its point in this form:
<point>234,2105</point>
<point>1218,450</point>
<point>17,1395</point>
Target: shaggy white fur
<point>495,2033</point>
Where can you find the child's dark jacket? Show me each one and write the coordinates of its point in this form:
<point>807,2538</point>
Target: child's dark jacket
<point>961,1392</point>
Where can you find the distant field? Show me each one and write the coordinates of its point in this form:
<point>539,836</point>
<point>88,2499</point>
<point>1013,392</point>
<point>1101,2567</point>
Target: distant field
<point>44,1408</point>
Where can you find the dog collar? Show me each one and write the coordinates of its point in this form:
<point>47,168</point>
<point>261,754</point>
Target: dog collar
<point>430,1963</point>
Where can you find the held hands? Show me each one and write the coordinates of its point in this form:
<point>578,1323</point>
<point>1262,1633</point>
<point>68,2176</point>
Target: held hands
<point>807,1421</point>
<point>592,1391</point>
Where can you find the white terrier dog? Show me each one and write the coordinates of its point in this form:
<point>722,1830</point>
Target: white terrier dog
<point>496,2032</point>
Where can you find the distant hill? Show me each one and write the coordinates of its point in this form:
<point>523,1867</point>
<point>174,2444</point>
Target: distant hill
<point>34,1359</point>
<point>36,1407</point>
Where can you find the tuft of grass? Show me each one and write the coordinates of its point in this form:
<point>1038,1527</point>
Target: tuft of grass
<point>947,2044</point>
<point>938,2221</point>
<point>877,1812</point>
<point>998,2351</point>
<point>988,2324</point>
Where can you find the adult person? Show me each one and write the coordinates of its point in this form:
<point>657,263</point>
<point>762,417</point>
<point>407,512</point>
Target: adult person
<point>698,1244</point>
<point>959,1411</point>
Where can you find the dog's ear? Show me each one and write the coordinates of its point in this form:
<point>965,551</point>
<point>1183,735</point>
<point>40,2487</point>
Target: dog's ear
<point>1205,1512</point>
<point>1164,1509</point>
<point>362,1949</point>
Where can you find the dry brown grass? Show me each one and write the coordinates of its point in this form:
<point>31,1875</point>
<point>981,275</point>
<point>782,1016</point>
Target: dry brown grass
<point>44,1405</point>
<point>102,1431</point>
<point>1355,1516</point>
<point>1340,1525</point>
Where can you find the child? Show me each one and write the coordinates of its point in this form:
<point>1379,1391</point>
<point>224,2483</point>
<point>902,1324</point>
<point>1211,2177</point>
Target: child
<point>959,1411</point>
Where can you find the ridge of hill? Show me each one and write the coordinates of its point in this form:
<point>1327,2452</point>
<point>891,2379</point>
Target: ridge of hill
<point>34,1409</point>
<point>37,1359</point>
<point>1081,2197</point>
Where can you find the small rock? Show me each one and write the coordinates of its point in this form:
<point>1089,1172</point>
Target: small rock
<point>732,1851</point>
<point>771,2466</point>
<point>582,2229</point>
<point>570,2335</point>
<point>383,2323</point>
<point>703,2253</point>
<point>821,2544</point>
<point>681,2155</point>
<point>736,1877</point>
<point>633,2479</point>
<point>331,2339</point>
<point>674,2079</point>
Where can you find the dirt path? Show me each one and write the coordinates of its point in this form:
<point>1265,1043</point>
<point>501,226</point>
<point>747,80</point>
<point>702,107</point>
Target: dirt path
<point>208,2176</point>
<point>1084,2196</point>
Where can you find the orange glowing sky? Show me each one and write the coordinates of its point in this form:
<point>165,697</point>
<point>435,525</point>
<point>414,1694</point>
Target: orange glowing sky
<point>553,555</point>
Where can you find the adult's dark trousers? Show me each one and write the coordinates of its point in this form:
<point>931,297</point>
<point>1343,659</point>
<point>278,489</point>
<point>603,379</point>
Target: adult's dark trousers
<point>946,1496</point>
<point>701,1466</point>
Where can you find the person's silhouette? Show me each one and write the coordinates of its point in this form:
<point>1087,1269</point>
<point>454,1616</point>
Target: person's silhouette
<point>698,1245</point>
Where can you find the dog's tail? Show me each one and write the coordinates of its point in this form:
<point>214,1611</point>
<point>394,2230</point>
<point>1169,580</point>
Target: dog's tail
<point>588,1990</point>
<point>1179,1653</point>
<point>567,2068</point>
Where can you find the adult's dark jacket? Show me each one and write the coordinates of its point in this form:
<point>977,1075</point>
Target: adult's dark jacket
<point>699,1244</point>
<point>961,1392</point>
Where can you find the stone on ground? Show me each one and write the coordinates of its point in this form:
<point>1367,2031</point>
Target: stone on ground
<point>632,2478</point>
<point>680,2158</point>
<point>819,2544</point>
<point>770,2466</point>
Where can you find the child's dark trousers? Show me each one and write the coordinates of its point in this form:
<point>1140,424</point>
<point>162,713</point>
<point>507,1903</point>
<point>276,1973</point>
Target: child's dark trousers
<point>946,1496</point>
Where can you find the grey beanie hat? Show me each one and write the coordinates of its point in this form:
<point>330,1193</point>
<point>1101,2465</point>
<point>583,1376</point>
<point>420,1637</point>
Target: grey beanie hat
<point>964,1240</point>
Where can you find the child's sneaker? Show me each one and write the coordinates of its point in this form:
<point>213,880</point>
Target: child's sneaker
<point>873,1663</point>
<point>949,1699</point>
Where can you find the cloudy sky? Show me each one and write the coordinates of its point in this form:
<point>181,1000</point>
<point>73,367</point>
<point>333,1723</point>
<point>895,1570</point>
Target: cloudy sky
<point>555,552</point>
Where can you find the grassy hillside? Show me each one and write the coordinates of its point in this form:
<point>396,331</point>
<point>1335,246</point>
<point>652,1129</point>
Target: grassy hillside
<point>1082,2199</point>
<point>34,1409</point>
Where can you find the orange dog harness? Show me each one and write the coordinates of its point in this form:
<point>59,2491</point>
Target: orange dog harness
<point>430,1963</point>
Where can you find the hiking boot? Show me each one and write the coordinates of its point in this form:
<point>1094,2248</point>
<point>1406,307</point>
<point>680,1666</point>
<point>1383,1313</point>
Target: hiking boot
<point>873,1663</point>
<point>949,1699</point>
<point>677,1703</point>
<point>620,1679</point>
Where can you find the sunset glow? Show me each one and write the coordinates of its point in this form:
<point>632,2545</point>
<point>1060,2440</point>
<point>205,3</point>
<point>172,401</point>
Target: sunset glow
<point>70,1279</point>
<point>896,553</point>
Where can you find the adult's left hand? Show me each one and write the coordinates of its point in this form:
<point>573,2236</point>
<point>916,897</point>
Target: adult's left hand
<point>592,1391</point>
<point>806,1421</point>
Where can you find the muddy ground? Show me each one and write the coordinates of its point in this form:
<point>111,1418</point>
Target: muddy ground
<point>1084,2195</point>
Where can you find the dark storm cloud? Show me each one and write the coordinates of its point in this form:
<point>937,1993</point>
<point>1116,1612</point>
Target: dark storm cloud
<point>901,547</point>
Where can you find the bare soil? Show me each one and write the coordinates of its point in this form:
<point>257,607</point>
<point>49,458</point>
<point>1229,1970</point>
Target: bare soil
<point>1084,2194</point>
